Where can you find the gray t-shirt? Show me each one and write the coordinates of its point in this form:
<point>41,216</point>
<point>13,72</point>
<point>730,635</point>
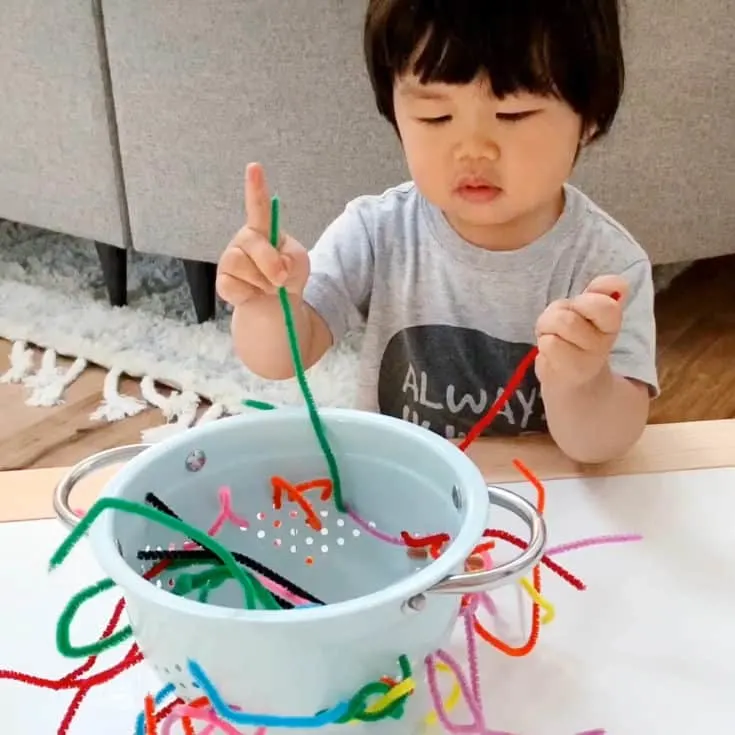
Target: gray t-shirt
<point>447,323</point>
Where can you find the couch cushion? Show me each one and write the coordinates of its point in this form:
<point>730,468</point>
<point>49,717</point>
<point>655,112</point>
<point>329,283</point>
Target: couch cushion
<point>56,159</point>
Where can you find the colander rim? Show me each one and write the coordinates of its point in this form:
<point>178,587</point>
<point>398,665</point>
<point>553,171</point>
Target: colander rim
<point>469,479</point>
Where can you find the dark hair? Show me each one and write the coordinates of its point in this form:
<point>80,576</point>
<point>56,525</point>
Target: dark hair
<point>570,49</point>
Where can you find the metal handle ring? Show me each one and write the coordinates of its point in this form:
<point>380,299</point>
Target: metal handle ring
<point>68,482</point>
<point>459,584</point>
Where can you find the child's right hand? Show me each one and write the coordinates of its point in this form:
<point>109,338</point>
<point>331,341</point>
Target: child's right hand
<point>251,267</point>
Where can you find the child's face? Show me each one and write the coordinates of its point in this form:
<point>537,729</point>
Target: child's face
<point>495,167</point>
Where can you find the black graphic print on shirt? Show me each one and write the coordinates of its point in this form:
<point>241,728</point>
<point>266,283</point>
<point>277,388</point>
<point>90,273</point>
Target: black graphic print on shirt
<point>446,378</point>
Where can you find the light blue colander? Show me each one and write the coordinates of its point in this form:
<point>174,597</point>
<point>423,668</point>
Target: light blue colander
<point>380,601</point>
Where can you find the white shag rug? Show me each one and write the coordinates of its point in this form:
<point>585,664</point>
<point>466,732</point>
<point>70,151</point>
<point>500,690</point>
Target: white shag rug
<point>52,296</point>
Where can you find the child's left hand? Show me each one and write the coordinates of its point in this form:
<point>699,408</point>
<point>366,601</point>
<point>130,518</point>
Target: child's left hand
<point>575,335</point>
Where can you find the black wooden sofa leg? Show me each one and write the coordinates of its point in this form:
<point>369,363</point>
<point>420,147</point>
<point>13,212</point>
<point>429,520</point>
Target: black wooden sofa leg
<point>202,284</point>
<point>114,262</point>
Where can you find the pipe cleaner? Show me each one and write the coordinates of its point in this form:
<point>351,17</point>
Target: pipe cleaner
<point>204,554</point>
<point>298,363</point>
<point>223,566</point>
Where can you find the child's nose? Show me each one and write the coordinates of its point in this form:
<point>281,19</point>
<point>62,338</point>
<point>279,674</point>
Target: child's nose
<point>481,144</point>
<point>492,150</point>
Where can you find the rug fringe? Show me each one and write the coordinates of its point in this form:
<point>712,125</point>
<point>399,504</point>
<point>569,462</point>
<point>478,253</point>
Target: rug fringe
<point>172,406</point>
<point>21,363</point>
<point>115,406</point>
<point>179,410</point>
<point>184,421</point>
<point>214,412</point>
<point>50,381</point>
<point>154,397</point>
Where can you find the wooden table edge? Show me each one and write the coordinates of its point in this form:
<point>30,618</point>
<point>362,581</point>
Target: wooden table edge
<point>26,494</point>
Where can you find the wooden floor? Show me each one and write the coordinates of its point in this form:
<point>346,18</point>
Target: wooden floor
<point>696,323</point>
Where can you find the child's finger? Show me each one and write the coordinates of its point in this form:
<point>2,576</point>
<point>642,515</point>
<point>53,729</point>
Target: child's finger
<point>566,324</point>
<point>239,264</point>
<point>600,310</point>
<point>269,261</point>
<point>558,353</point>
<point>545,323</point>
<point>257,200</point>
<point>234,291</point>
<point>610,285</point>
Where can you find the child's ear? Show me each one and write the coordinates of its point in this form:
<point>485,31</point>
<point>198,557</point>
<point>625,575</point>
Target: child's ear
<point>587,135</point>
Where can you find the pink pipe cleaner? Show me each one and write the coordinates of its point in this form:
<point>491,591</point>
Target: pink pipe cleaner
<point>470,690</point>
<point>484,597</point>
<point>595,541</point>
<point>468,616</point>
<point>226,513</point>
<point>484,600</point>
<point>214,723</point>
<point>396,541</point>
<point>282,591</point>
<point>478,726</point>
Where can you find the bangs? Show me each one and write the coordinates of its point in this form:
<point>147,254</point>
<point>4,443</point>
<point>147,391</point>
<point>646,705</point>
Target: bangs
<point>514,56</point>
<point>569,49</point>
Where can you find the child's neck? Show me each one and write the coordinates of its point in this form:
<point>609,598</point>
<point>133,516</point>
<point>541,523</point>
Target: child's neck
<point>516,233</point>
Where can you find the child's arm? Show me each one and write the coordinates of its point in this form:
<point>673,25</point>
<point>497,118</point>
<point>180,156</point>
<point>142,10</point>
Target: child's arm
<point>329,287</point>
<point>250,273</point>
<point>596,366</point>
<point>260,339</point>
<point>598,421</point>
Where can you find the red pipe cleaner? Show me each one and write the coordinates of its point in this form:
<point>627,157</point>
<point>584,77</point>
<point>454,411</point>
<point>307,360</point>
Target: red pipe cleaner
<point>73,679</point>
<point>545,560</point>
<point>432,543</point>
<point>510,388</point>
<point>502,399</point>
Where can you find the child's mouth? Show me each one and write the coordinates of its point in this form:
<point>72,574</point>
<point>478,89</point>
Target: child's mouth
<point>478,193</point>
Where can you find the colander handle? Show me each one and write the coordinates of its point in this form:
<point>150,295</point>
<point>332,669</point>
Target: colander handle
<point>469,582</point>
<point>99,461</point>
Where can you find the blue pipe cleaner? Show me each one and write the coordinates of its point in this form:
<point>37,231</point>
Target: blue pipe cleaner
<point>328,717</point>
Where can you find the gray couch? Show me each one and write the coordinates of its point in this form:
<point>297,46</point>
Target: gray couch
<point>129,122</point>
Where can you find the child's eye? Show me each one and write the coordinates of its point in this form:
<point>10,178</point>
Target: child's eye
<point>435,120</point>
<point>515,116</point>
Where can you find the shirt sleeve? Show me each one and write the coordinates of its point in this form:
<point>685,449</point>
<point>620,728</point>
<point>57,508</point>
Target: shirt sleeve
<point>634,352</point>
<point>341,278</point>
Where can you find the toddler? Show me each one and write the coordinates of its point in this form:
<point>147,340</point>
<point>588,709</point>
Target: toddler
<point>488,251</point>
